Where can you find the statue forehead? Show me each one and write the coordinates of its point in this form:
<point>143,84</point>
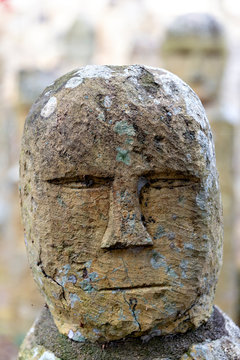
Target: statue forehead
<point>195,31</point>
<point>112,119</point>
<point>198,24</point>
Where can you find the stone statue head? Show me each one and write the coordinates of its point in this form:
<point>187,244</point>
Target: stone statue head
<point>194,48</point>
<point>120,203</point>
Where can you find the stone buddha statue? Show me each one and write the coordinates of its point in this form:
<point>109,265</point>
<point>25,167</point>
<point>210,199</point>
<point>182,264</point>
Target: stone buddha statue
<point>122,214</point>
<point>195,48</point>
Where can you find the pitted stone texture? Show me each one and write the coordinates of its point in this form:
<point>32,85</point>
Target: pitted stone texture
<point>219,332</point>
<point>120,203</point>
<point>225,348</point>
<point>38,353</point>
<point>219,349</point>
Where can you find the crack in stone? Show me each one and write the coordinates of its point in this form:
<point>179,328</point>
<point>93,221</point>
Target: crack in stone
<point>132,304</point>
<point>39,264</point>
<point>49,277</point>
<point>186,312</point>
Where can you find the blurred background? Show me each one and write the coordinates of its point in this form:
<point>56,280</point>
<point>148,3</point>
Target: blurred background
<point>41,40</point>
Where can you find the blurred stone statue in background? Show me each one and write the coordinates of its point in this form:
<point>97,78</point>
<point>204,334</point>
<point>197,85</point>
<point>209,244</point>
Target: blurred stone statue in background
<point>195,49</point>
<point>122,214</point>
<point>31,82</point>
<point>77,45</point>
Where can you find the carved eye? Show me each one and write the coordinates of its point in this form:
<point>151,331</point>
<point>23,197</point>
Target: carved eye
<point>183,52</point>
<point>159,182</point>
<point>213,53</point>
<point>169,183</point>
<point>82,182</point>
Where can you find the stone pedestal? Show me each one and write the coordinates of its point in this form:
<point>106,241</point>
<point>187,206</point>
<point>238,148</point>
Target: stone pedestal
<point>219,339</point>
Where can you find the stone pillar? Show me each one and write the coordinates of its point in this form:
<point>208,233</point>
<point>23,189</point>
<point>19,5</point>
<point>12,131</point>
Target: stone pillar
<point>195,49</point>
<point>122,214</point>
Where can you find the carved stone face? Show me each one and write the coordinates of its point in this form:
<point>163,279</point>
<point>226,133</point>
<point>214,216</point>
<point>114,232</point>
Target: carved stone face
<point>195,50</point>
<point>120,203</point>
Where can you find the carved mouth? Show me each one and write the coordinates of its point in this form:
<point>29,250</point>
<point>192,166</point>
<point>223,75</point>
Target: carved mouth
<point>150,288</point>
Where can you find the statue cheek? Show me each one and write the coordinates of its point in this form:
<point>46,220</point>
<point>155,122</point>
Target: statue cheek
<point>75,221</point>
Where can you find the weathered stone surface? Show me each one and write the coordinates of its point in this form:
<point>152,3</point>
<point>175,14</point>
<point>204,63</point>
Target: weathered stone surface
<point>227,347</point>
<point>120,203</point>
<point>219,334</point>
<point>195,49</point>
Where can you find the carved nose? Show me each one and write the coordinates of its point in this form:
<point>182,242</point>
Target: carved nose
<point>125,228</point>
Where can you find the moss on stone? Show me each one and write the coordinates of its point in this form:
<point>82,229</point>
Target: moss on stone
<point>46,336</point>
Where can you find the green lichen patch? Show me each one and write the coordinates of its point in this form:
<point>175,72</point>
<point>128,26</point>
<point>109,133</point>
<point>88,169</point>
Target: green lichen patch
<point>123,156</point>
<point>124,128</point>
